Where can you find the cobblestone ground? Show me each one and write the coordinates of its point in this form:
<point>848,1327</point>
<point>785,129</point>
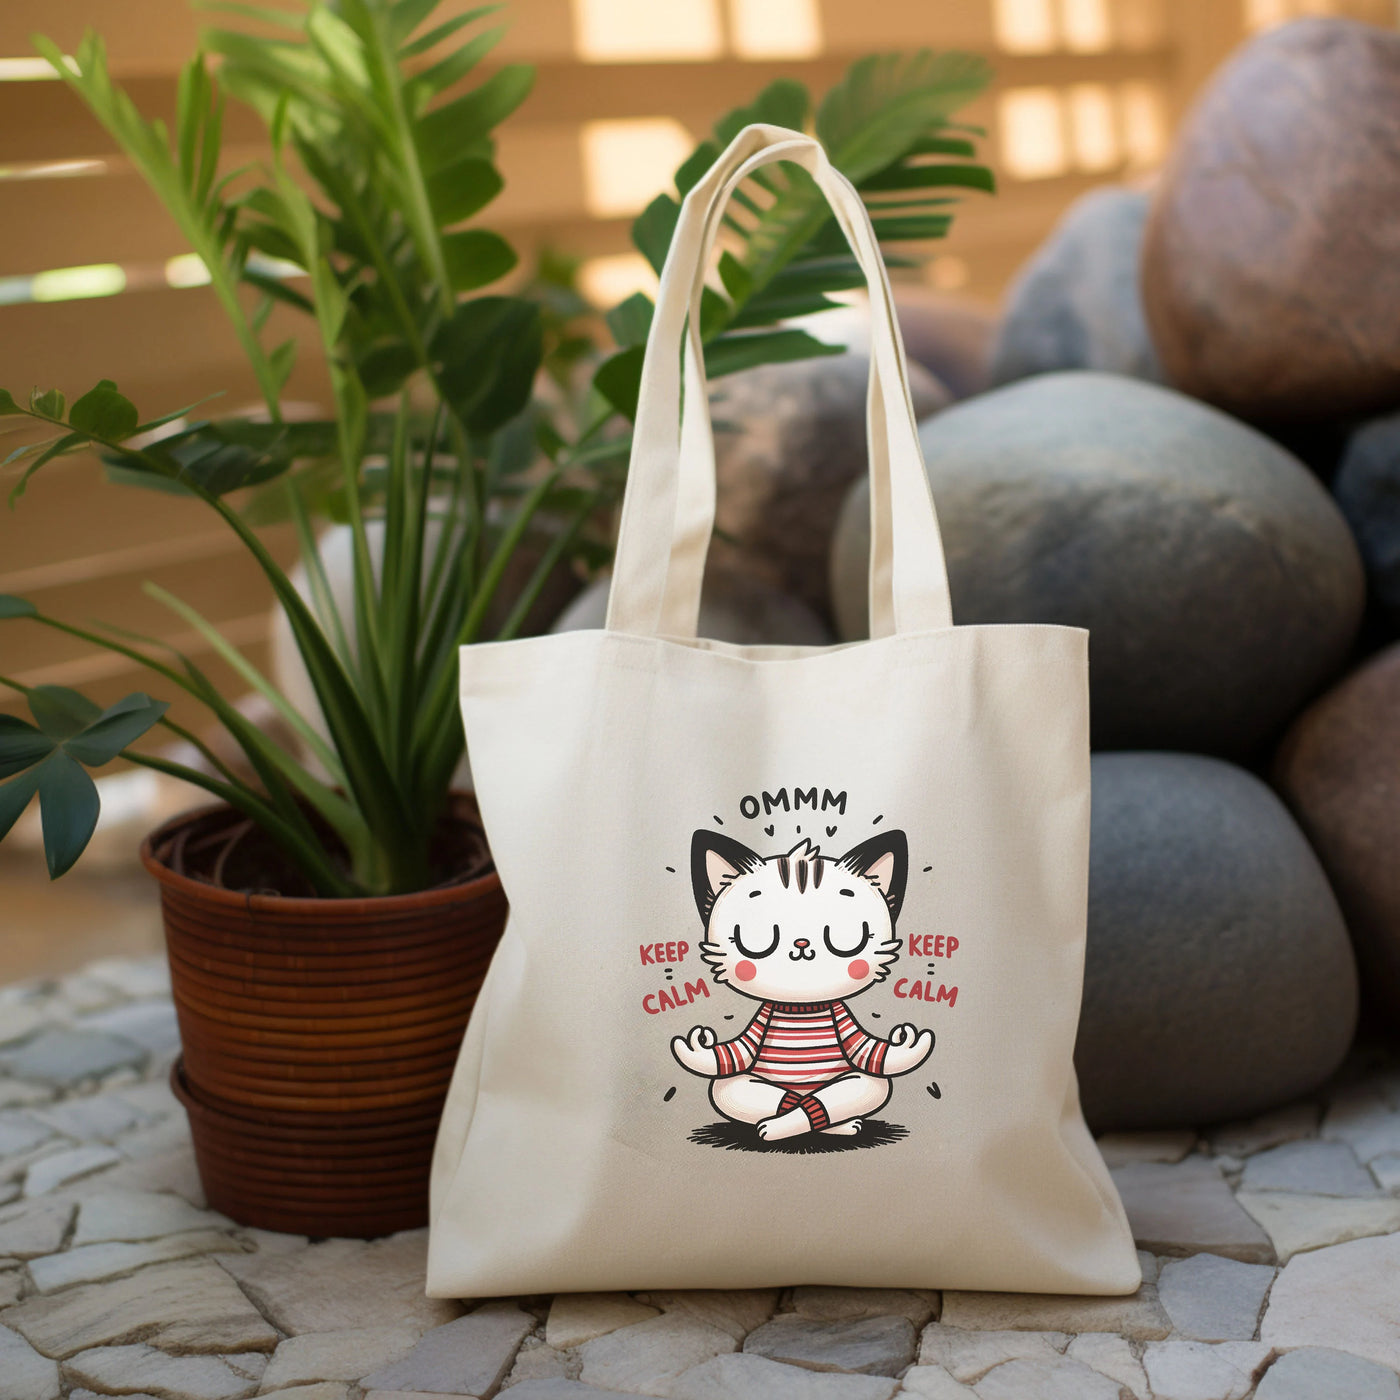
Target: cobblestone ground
<point>1271,1250</point>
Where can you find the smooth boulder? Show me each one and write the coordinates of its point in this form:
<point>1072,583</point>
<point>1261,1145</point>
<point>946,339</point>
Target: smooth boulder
<point>1367,488</point>
<point>1219,981</point>
<point>733,608</point>
<point>1219,582</point>
<point>1076,303</point>
<point>1339,770</point>
<point>1271,263</point>
<point>789,440</point>
<point>951,336</point>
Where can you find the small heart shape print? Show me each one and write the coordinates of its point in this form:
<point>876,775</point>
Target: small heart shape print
<point>831,831</point>
<point>768,830</point>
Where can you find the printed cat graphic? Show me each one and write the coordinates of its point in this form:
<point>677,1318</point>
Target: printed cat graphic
<point>800,933</point>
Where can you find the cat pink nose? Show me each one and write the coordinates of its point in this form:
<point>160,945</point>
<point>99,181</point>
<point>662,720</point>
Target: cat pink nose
<point>800,943</point>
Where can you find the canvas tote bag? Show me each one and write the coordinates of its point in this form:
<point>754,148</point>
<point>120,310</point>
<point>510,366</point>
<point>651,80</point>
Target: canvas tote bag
<point>790,984</point>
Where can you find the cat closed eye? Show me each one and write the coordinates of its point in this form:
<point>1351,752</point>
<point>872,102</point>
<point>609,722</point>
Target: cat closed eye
<point>834,945</point>
<point>738,940</point>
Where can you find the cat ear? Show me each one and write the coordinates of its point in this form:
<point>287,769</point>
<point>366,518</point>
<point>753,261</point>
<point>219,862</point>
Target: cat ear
<point>884,860</point>
<point>714,861</point>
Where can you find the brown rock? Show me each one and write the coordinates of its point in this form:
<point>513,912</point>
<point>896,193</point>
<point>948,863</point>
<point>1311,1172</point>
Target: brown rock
<point>1339,769</point>
<point>789,440</point>
<point>1271,264</point>
<point>950,336</point>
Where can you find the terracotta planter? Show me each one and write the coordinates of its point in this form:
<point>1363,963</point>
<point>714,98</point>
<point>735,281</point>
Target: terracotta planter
<point>320,1035</point>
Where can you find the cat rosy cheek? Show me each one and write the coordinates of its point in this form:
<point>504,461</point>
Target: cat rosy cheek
<point>858,969</point>
<point>745,971</point>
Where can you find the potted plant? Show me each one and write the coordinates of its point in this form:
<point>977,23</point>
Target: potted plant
<point>330,919</point>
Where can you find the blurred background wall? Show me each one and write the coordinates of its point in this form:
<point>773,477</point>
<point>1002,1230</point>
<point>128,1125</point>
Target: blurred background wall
<point>92,281</point>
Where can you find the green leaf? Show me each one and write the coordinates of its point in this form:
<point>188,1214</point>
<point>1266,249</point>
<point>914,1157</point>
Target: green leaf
<point>766,309</point>
<point>68,807</point>
<point>619,380</point>
<point>912,228</point>
<point>943,146</point>
<point>475,258</point>
<point>58,447</point>
<point>116,727</point>
<point>8,404</point>
<point>729,353</point>
<point>630,321</point>
<point>21,745</point>
<point>452,69</point>
<point>920,177</point>
<point>441,135</point>
<point>488,353</point>
<point>49,404</point>
<point>14,798</point>
<point>104,413</point>
<point>738,281</point>
<point>11,607</point>
<point>281,361</point>
<point>463,188</point>
<point>406,15</point>
<point>653,229</point>
<point>60,712</point>
<point>434,36</point>
<point>695,165</point>
<point>784,102</point>
<point>383,368</point>
<point>886,102</point>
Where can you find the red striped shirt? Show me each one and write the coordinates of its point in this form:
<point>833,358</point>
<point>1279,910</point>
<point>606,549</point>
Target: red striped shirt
<point>801,1043</point>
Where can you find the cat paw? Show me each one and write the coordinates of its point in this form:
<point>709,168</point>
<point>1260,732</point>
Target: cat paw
<point>908,1049</point>
<point>696,1051</point>
<point>786,1125</point>
<point>847,1129</point>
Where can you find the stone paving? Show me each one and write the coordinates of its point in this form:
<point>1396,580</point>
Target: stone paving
<point>1271,1251</point>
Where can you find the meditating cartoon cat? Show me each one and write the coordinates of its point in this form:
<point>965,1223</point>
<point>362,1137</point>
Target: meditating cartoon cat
<point>800,933</point>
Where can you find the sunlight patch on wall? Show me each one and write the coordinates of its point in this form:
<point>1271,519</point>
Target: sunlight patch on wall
<point>1090,128</point>
<point>1085,26</point>
<point>187,270</point>
<point>609,280</point>
<point>1144,124</point>
<point>1024,26</point>
<point>76,283</point>
<point>1093,127</point>
<point>775,28</point>
<point>627,163</point>
<point>52,169</point>
<point>645,31</point>
<point>1032,126</point>
<point>30,70</point>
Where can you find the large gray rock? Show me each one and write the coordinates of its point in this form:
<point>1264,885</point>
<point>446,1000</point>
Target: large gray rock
<point>1219,981</point>
<point>1367,488</point>
<point>1219,582</point>
<point>789,440</point>
<point>1076,303</point>
<point>733,608</point>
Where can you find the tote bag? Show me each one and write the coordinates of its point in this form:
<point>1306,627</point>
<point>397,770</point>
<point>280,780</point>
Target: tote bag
<point>789,987</point>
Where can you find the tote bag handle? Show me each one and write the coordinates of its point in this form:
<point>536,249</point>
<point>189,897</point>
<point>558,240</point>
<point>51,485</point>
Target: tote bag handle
<point>668,509</point>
